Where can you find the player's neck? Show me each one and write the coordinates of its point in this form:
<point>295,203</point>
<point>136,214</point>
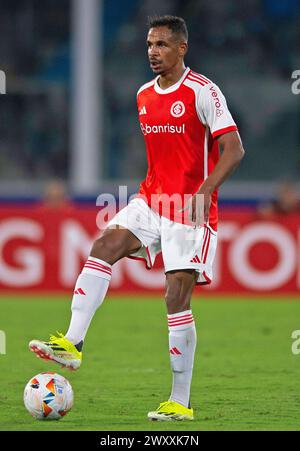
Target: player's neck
<point>170,78</point>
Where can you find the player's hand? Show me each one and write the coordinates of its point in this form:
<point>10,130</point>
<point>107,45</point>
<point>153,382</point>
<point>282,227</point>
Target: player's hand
<point>198,207</point>
<point>195,209</point>
<point>206,199</point>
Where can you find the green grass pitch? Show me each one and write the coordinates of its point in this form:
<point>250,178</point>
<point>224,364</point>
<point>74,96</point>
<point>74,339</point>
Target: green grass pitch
<point>245,375</point>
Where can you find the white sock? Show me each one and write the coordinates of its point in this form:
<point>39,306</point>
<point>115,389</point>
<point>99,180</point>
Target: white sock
<point>90,291</point>
<point>182,345</point>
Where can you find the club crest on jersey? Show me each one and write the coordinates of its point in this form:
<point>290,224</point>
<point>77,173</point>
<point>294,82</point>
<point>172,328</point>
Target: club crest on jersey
<point>177,109</point>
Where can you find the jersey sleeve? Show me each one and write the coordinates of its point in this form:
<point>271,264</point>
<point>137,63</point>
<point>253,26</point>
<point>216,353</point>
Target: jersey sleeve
<point>213,111</point>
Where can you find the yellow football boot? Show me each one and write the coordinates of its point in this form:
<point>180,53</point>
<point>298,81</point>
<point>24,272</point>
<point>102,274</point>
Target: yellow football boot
<point>58,349</point>
<point>171,411</point>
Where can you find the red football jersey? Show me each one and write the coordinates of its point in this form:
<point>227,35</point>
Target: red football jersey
<point>180,125</point>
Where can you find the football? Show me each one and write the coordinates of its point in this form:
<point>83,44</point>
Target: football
<point>48,396</point>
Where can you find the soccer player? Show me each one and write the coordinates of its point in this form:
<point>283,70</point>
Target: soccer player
<point>185,120</point>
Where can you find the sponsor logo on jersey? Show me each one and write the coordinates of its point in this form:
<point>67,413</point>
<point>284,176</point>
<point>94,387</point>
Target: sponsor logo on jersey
<point>177,109</point>
<point>216,100</point>
<point>147,129</point>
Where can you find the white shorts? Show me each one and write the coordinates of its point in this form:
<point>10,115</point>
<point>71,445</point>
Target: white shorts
<point>182,246</point>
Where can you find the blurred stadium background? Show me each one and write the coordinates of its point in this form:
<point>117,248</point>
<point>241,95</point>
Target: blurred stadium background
<point>69,131</point>
<point>69,123</point>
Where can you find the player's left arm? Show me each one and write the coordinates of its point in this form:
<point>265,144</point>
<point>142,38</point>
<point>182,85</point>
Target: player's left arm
<point>214,113</point>
<point>231,156</point>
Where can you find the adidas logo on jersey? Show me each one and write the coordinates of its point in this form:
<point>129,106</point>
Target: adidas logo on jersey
<point>143,111</point>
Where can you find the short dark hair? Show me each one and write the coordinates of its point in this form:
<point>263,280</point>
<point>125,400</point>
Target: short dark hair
<point>176,24</point>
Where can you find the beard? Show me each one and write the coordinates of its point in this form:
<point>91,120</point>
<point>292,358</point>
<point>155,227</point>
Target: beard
<point>158,71</point>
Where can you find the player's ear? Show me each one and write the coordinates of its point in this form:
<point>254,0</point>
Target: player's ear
<point>183,47</point>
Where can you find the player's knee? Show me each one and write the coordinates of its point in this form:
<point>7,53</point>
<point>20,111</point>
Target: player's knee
<point>171,297</point>
<point>176,300</point>
<point>179,289</point>
<point>107,250</point>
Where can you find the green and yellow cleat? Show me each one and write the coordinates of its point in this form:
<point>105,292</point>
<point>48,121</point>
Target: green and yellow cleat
<point>171,411</point>
<point>58,349</point>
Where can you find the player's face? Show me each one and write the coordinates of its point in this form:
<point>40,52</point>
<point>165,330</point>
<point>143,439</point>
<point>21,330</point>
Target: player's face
<point>165,51</point>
